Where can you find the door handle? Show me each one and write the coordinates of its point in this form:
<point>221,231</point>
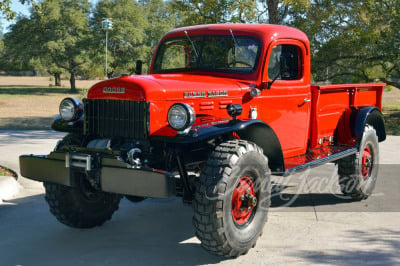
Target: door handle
<point>306,100</point>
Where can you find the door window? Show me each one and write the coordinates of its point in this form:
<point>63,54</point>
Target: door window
<point>285,63</point>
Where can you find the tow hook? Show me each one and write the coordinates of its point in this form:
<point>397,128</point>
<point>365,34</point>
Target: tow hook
<point>133,157</point>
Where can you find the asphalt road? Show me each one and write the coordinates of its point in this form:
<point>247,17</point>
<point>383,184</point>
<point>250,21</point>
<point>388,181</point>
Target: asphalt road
<point>309,222</point>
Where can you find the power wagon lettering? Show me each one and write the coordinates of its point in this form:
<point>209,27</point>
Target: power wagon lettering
<point>203,94</point>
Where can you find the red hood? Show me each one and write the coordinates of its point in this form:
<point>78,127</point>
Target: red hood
<point>162,87</point>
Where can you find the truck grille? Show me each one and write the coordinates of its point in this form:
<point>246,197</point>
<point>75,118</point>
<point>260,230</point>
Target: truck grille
<point>114,118</point>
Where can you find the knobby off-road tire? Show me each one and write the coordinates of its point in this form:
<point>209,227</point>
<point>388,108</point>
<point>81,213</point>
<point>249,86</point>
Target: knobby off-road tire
<point>235,170</point>
<point>358,172</point>
<point>80,206</point>
<point>70,139</point>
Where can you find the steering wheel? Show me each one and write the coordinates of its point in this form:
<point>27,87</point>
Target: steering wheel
<point>240,62</point>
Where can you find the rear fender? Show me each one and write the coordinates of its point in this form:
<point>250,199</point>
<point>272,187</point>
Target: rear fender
<point>371,116</point>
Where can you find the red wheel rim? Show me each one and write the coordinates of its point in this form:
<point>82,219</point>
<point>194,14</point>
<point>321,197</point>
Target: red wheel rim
<point>366,162</point>
<point>243,200</point>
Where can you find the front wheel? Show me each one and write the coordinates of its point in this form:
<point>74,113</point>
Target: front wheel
<point>232,198</point>
<point>81,206</point>
<point>358,173</point>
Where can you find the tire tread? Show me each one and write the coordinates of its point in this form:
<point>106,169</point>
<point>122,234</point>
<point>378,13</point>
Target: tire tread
<point>74,214</point>
<point>208,217</point>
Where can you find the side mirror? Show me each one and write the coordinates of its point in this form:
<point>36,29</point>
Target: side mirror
<point>266,85</point>
<point>138,70</point>
<point>269,84</point>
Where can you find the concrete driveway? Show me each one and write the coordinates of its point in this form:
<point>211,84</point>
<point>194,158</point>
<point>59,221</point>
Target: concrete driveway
<point>309,222</point>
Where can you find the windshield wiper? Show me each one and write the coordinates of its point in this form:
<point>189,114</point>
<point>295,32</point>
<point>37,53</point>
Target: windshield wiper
<point>192,43</point>
<point>234,39</point>
<point>236,45</point>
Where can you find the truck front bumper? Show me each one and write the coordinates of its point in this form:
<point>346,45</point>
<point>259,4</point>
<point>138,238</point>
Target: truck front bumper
<point>114,176</point>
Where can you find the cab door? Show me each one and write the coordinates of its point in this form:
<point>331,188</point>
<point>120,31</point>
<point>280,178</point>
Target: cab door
<point>287,96</point>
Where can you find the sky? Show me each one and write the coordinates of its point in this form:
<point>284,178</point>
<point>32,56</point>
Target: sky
<point>21,9</point>
<point>17,7</point>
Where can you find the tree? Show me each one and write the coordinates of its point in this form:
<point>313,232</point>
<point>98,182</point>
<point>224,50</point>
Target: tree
<point>5,8</point>
<point>353,41</point>
<point>63,35</point>
<point>23,50</point>
<point>1,51</point>
<point>279,11</point>
<point>231,11</point>
<point>18,49</point>
<point>125,39</point>
<point>215,11</point>
<point>160,18</point>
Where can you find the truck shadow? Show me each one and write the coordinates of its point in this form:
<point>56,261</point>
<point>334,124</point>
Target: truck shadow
<point>382,249</point>
<point>289,200</point>
<point>323,193</point>
<point>153,232</point>
<point>297,199</point>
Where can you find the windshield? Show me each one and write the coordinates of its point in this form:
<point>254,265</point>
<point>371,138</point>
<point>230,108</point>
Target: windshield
<point>215,53</point>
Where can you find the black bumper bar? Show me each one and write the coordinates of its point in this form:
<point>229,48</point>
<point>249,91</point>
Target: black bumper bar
<point>115,176</point>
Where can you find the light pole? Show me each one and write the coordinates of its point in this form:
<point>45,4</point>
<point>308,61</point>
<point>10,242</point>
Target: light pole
<point>106,25</point>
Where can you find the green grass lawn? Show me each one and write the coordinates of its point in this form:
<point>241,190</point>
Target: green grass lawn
<point>29,107</point>
<point>391,111</point>
<point>6,172</point>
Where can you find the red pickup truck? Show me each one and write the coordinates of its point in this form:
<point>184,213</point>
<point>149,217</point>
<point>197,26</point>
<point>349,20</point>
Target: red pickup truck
<point>223,108</point>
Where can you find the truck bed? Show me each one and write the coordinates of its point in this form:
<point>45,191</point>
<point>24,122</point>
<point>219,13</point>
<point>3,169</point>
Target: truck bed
<point>331,104</point>
<point>332,113</point>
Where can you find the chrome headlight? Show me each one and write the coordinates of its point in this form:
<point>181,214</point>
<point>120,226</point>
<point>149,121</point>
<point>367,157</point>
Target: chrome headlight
<point>70,109</point>
<point>181,116</point>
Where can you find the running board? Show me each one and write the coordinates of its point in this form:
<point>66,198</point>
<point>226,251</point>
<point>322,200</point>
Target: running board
<point>316,158</point>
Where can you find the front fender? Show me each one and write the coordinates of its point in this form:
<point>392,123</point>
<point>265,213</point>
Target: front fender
<point>255,131</point>
<point>203,132</point>
<point>60,124</point>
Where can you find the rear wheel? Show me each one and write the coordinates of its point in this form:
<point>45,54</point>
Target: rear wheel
<point>232,198</point>
<point>358,172</point>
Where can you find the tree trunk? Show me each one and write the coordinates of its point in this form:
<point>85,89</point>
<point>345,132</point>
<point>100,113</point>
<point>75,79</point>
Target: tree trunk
<point>395,84</point>
<point>273,12</point>
<point>72,82</point>
<point>110,74</point>
<point>57,79</point>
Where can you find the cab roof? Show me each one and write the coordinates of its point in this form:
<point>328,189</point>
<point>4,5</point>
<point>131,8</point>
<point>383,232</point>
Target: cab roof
<point>265,32</point>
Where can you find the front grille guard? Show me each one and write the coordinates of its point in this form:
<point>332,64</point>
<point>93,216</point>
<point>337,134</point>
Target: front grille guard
<point>117,118</point>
